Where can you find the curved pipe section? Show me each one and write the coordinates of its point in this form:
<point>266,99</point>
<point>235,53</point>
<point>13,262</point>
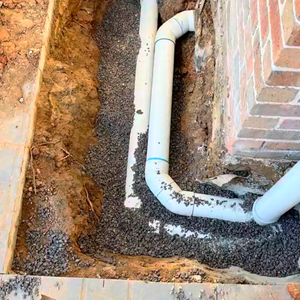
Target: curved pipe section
<point>142,91</point>
<point>157,166</point>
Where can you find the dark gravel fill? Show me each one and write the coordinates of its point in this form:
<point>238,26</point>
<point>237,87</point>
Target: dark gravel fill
<point>260,250</point>
<point>49,254</point>
<point>28,285</point>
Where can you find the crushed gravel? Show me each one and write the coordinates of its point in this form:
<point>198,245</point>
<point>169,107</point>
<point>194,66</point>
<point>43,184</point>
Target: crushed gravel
<point>28,286</point>
<point>49,253</point>
<point>270,250</point>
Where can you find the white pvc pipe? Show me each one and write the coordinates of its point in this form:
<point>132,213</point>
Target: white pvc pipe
<point>157,167</point>
<point>283,196</point>
<point>142,94</point>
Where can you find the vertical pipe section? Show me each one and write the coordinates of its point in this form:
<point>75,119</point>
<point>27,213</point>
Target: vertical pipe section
<point>283,196</point>
<point>161,101</point>
<point>143,87</point>
<point>160,115</point>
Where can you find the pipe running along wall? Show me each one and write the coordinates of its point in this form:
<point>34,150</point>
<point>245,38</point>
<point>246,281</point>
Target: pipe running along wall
<point>157,166</point>
<point>142,93</point>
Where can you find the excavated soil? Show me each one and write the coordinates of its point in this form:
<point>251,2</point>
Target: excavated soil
<point>73,225</point>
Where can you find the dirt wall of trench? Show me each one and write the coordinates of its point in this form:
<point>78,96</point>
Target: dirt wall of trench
<point>58,195</point>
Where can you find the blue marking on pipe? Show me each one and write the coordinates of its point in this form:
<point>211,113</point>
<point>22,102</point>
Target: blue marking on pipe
<point>157,158</point>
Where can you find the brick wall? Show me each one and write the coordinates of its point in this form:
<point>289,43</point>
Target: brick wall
<point>262,47</point>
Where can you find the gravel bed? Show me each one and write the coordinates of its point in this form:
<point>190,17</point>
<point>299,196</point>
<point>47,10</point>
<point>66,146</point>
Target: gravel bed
<point>49,253</point>
<point>28,286</point>
<point>270,250</point>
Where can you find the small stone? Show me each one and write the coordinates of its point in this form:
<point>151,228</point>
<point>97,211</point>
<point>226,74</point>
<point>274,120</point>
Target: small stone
<point>21,100</point>
<point>4,35</point>
<point>183,70</point>
<point>58,164</point>
<point>30,189</point>
<point>191,89</point>
<point>35,151</point>
<point>1,3</point>
<point>39,183</point>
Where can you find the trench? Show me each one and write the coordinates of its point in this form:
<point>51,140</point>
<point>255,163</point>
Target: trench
<point>74,222</point>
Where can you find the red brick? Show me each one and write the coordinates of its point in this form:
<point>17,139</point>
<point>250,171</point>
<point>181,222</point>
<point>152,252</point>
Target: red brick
<point>282,57</point>
<point>241,36</point>
<point>287,58</point>
<point>236,90</point>
<point>260,122</point>
<point>236,73</point>
<point>233,25</point>
<point>259,95</point>
<point>246,9</point>
<point>294,39</point>
<point>290,24</point>
<point>246,144</point>
<point>269,134</point>
<point>250,95</point>
<point>277,94</point>
<point>264,20</point>
<point>297,9</point>
<point>267,93</point>
<point>257,62</point>
<point>274,154</point>
<point>290,124</point>
<point>284,78</point>
<point>275,27</point>
<point>243,94</point>
<point>268,154</point>
<point>282,146</point>
<point>291,27</point>
<point>276,110</point>
<point>253,12</point>
<point>287,19</point>
<point>267,61</point>
<point>248,49</point>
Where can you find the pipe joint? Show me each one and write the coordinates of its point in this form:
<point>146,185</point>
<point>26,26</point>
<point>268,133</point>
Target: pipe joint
<point>176,27</point>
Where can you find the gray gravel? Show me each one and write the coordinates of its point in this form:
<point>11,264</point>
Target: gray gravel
<point>270,250</point>
<point>28,286</point>
<point>48,254</point>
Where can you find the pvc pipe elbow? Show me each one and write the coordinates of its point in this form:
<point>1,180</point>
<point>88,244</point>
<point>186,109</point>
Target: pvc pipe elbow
<point>190,204</point>
<point>177,26</point>
<point>169,193</point>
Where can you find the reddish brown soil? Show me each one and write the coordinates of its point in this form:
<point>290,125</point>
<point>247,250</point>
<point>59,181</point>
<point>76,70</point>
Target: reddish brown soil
<point>66,110</point>
<point>294,291</point>
<point>20,44</point>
